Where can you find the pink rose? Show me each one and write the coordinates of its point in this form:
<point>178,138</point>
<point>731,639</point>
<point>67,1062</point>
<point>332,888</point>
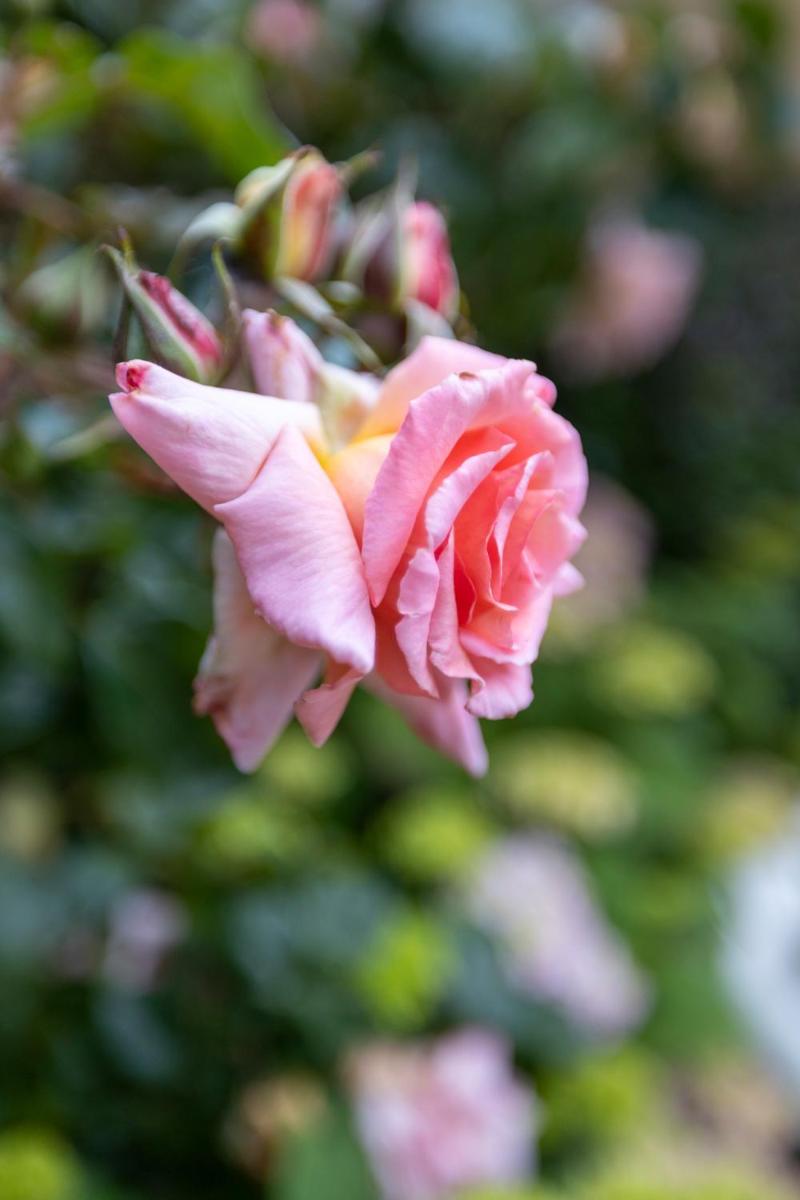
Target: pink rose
<point>437,510</point>
<point>464,487</point>
<point>437,1119</point>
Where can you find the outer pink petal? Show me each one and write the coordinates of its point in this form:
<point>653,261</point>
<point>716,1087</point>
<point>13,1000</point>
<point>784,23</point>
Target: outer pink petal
<point>505,690</point>
<point>433,360</point>
<point>211,441</point>
<point>250,676</point>
<point>300,557</point>
<point>319,711</point>
<point>434,423</point>
<point>444,724</point>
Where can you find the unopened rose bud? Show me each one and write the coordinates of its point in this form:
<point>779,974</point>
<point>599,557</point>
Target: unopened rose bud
<point>309,205</point>
<point>399,254</point>
<point>286,363</point>
<point>284,360</point>
<point>178,333</point>
<point>428,273</point>
<point>288,214</point>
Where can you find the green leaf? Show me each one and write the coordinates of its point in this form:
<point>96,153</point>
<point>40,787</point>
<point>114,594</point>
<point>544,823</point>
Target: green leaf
<point>214,89</point>
<point>325,1161</point>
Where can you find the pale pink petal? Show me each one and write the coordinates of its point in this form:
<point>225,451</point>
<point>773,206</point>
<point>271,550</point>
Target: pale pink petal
<point>444,724</point>
<point>300,557</point>
<point>211,441</point>
<point>319,711</point>
<point>428,365</point>
<point>503,691</point>
<point>433,425</point>
<point>250,676</point>
<point>568,580</point>
<point>284,360</point>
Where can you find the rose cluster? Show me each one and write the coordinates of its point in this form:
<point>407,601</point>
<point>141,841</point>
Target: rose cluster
<point>410,532</point>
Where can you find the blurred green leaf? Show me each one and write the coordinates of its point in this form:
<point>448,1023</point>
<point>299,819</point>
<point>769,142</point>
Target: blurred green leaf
<point>214,90</point>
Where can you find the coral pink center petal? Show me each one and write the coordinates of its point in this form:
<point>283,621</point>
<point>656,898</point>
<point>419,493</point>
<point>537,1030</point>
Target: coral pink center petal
<point>433,425</point>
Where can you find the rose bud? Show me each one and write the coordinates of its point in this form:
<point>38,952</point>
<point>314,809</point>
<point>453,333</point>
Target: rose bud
<point>428,273</point>
<point>288,214</point>
<point>177,332</point>
<point>285,362</point>
<point>399,254</point>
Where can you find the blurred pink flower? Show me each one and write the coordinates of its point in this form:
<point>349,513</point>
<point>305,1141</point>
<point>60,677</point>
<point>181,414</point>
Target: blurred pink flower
<point>436,1119</point>
<point>422,556</point>
<point>532,895</point>
<point>286,31</point>
<point>633,301</point>
<point>145,926</point>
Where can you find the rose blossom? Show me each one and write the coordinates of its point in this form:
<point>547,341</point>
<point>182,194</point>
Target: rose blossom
<point>422,555</point>
<point>437,1119</point>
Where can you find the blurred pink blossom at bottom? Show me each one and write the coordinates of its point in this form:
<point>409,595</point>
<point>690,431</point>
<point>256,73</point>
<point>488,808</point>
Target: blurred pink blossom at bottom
<point>288,31</point>
<point>633,301</point>
<point>438,1117</point>
<point>531,894</point>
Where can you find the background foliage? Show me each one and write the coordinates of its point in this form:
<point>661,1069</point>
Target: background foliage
<point>318,905</point>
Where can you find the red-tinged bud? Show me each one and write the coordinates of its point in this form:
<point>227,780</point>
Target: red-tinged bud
<point>428,273</point>
<point>187,322</point>
<point>399,254</point>
<point>180,336</point>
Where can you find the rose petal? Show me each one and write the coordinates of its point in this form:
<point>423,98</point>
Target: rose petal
<point>420,582</point>
<point>444,724</point>
<point>433,425</point>
<point>211,441</point>
<point>250,676</point>
<point>428,365</point>
<point>319,711</point>
<point>446,650</point>
<point>300,557</point>
<point>503,690</point>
